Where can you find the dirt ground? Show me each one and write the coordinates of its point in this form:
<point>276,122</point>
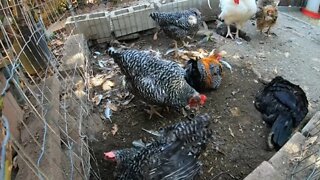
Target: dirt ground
<point>240,135</point>
<point>239,145</point>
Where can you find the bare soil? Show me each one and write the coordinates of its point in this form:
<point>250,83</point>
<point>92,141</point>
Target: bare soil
<point>239,145</point>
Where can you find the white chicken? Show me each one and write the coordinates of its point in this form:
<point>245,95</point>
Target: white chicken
<point>237,12</point>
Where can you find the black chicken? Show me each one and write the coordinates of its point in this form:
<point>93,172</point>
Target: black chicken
<point>178,25</point>
<point>283,106</point>
<point>173,155</point>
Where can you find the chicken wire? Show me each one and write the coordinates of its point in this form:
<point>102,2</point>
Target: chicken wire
<point>306,163</point>
<point>30,67</point>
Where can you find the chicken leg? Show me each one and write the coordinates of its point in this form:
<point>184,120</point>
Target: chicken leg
<point>237,33</point>
<point>229,32</point>
<point>175,48</point>
<point>152,111</point>
<point>268,31</point>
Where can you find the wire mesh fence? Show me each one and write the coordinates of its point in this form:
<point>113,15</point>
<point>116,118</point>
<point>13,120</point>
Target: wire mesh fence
<point>306,164</point>
<point>44,117</point>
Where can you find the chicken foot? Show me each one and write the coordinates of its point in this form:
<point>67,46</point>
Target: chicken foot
<point>187,45</point>
<point>152,111</point>
<point>229,32</point>
<point>237,34</point>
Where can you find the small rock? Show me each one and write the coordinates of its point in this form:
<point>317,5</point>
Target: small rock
<point>236,57</point>
<point>261,42</point>
<point>286,54</point>
<point>235,111</point>
<point>235,92</point>
<point>261,55</point>
<point>256,81</point>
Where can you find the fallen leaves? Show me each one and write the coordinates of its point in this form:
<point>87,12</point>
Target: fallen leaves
<point>97,99</point>
<point>113,107</point>
<point>114,129</point>
<point>107,85</point>
<point>97,80</point>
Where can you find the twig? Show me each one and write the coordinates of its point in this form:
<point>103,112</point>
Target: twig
<point>221,173</point>
<point>43,145</point>
<point>231,132</point>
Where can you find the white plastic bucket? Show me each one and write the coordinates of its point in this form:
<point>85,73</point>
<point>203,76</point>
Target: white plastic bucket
<point>313,5</point>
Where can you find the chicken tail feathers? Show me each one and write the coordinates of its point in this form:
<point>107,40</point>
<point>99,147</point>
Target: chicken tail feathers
<point>154,15</point>
<point>281,130</point>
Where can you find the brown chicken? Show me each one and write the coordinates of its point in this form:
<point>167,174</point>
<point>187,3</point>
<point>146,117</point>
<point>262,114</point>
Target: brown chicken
<point>206,73</point>
<point>267,14</point>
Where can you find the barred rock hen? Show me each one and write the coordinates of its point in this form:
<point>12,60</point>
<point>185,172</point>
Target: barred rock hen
<point>283,106</point>
<point>267,14</point>
<point>237,12</point>
<point>178,25</point>
<point>155,80</point>
<point>173,155</point>
<point>206,73</point>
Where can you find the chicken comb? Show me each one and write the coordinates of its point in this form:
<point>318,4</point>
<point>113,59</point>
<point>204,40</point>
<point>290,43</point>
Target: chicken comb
<point>236,1</point>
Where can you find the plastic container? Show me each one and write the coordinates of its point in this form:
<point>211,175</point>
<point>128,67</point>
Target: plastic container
<point>312,9</point>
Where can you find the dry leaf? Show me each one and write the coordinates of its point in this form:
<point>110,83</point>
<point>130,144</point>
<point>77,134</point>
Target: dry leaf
<point>113,107</point>
<point>97,99</point>
<point>202,51</point>
<point>107,85</point>
<point>114,129</point>
<point>79,93</point>
<point>235,112</point>
<point>97,80</point>
<point>184,57</point>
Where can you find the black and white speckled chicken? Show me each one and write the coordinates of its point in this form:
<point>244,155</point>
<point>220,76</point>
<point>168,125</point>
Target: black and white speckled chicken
<point>155,80</point>
<point>173,155</point>
<point>283,105</point>
<point>178,25</point>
